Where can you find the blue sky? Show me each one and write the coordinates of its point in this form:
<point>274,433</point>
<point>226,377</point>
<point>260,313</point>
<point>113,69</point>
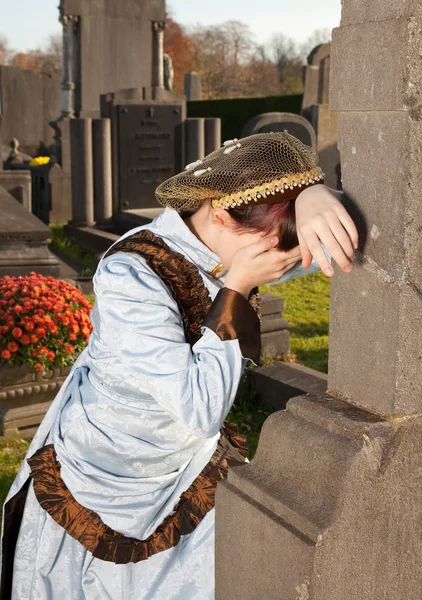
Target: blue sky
<point>28,23</point>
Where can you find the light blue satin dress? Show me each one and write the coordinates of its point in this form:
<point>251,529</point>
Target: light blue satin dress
<point>134,424</point>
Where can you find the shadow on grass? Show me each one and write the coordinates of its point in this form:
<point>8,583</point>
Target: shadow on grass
<point>315,358</point>
<point>308,330</point>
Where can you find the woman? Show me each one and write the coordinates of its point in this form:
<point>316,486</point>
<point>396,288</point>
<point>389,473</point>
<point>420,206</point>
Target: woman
<point>125,464</point>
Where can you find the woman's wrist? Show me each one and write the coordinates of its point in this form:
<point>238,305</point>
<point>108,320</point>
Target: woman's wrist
<point>234,284</point>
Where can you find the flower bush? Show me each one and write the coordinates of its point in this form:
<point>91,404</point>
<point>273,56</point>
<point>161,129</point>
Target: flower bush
<point>39,160</point>
<point>43,321</point>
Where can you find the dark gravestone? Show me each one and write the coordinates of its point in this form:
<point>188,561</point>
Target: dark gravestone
<point>23,241</point>
<point>278,121</point>
<point>149,150</point>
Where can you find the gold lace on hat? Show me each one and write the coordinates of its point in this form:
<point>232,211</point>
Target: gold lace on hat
<point>261,168</point>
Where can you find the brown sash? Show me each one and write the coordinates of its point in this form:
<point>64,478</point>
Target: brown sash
<point>83,524</point>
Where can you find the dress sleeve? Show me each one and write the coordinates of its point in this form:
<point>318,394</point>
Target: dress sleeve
<point>298,271</point>
<point>137,317</point>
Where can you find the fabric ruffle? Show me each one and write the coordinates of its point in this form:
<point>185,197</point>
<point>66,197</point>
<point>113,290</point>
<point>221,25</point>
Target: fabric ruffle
<point>104,543</point>
<point>179,274</point>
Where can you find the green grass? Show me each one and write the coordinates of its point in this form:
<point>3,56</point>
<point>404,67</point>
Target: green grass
<point>69,246</point>
<point>307,308</point>
<point>12,453</point>
<point>249,413</point>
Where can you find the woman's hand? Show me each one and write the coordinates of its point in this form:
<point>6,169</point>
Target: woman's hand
<point>321,218</point>
<point>258,264</point>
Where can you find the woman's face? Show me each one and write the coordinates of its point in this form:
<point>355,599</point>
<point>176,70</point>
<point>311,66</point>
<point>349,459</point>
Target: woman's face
<point>218,230</point>
<point>229,239</point>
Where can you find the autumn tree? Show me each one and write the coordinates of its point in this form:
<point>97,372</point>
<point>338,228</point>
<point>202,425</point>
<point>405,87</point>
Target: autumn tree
<point>45,60</point>
<point>177,46</point>
<point>232,64</point>
<point>221,54</point>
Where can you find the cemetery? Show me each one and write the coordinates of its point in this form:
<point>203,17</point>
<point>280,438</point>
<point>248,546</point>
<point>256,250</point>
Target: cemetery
<point>329,506</point>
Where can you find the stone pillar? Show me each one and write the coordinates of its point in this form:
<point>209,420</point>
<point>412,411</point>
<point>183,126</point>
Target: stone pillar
<point>194,140</point>
<point>103,198</point>
<point>212,135</point>
<point>60,194</point>
<point>1,144</point>
<point>324,80</point>
<point>158,53</point>
<point>331,507</point>
<point>82,179</point>
<point>69,23</point>
<point>193,86</point>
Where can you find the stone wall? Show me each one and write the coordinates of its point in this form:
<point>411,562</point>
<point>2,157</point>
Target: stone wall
<point>28,102</point>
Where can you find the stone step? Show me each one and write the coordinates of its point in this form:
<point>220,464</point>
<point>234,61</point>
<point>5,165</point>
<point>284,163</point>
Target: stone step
<point>277,383</point>
<point>272,323</point>
<point>271,305</point>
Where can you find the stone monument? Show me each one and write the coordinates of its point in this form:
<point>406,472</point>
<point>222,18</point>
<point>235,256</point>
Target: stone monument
<point>193,86</point>
<point>315,108</point>
<point>279,121</point>
<point>168,73</point>
<point>23,241</point>
<point>28,102</point>
<point>331,506</point>
<point>316,77</point>
<point>147,143</point>
<point>91,64</point>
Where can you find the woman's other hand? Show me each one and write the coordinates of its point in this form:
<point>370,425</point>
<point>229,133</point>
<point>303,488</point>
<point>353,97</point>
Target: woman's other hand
<point>258,264</point>
<point>321,218</point>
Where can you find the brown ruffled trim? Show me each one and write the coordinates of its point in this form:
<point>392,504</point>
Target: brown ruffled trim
<point>232,317</point>
<point>106,544</point>
<point>180,275</point>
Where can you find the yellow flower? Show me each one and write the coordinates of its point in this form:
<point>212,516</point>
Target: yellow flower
<point>39,160</point>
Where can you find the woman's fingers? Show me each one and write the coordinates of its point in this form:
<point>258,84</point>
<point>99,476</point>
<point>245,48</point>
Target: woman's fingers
<point>314,245</point>
<point>283,261</point>
<point>326,236</point>
<point>341,236</point>
<point>263,245</point>
<point>305,253</point>
<point>349,225</point>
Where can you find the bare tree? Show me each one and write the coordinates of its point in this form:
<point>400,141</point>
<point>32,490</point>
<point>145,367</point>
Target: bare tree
<point>222,54</point>
<point>4,50</point>
<point>286,58</point>
<point>317,37</point>
<point>262,79</point>
<point>50,58</point>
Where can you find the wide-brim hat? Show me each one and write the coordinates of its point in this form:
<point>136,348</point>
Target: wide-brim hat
<point>260,168</point>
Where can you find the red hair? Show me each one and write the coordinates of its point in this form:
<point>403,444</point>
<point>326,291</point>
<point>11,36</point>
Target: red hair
<point>278,219</point>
